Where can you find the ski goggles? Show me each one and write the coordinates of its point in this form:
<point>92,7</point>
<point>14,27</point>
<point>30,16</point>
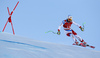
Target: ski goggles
<point>69,19</point>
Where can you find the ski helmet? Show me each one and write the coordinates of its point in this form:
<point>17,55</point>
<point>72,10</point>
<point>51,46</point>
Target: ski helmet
<point>69,18</point>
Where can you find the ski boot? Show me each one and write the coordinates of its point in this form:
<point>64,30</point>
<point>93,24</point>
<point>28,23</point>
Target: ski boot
<point>77,43</point>
<point>84,43</point>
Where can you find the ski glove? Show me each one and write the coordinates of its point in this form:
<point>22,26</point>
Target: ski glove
<point>58,32</point>
<point>82,29</point>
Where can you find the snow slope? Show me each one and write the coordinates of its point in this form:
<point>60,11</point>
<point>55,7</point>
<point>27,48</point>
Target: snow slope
<point>12,46</point>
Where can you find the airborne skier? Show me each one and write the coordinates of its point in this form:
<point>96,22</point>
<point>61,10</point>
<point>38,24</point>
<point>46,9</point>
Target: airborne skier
<point>69,32</point>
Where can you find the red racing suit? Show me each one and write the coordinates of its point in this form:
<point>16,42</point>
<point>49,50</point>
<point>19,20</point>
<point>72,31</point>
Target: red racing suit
<point>68,30</point>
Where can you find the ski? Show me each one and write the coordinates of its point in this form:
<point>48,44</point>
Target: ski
<point>81,44</point>
<point>84,45</point>
<point>89,46</point>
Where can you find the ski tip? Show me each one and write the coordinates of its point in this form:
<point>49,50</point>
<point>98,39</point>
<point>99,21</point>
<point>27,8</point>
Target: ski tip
<point>73,44</point>
<point>92,47</point>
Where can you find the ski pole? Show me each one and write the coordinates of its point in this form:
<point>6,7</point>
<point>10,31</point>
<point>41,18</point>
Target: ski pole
<point>83,24</point>
<point>51,31</point>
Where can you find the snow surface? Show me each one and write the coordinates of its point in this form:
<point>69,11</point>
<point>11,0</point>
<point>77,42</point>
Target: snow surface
<point>12,46</point>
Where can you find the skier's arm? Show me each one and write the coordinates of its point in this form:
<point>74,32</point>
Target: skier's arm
<point>60,26</point>
<point>82,29</point>
<point>59,29</point>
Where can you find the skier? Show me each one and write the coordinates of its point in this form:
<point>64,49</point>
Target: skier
<point>69,32</point>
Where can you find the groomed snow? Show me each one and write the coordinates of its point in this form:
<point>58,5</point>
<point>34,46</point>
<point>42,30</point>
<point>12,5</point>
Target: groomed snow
<point>12,46</point>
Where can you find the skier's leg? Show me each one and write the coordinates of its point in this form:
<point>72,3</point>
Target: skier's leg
<point>76,42</point>
<point>69,34</point>
<point>78,37</point>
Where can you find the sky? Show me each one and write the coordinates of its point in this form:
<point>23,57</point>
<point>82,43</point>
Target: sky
<point>32,18</point>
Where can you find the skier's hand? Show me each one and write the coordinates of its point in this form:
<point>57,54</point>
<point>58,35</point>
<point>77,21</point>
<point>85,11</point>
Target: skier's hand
<point>58,32</point>
<point>82,29</point>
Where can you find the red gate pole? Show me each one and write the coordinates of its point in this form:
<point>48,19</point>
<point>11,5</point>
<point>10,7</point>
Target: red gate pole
<point>12,28</point>
<point>9,19</point>
<point>5,26</point>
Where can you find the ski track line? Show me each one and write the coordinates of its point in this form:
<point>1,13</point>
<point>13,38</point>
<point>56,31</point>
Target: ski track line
<point>23,44</point>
